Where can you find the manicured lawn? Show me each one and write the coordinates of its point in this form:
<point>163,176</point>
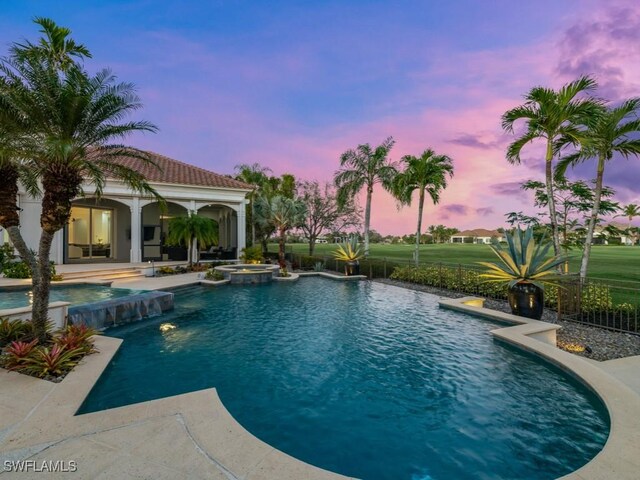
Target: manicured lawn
<point>607,262</point>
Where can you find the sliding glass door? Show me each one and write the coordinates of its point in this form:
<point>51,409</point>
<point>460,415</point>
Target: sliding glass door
<point>90,233</point>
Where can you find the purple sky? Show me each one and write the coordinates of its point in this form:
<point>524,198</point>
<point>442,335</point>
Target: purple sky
<point>291,85</point>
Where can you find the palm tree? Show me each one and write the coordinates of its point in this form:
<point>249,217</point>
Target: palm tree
<point>194,232</point>
<point>282,214</point>
<point>630,211</point>
<point>364,167</point>
<point>257,176</point>
<point>555,117</point>
<point>58,51</point>
<point>427,174</point>
<point>608,134</point>
<point>72,120</point>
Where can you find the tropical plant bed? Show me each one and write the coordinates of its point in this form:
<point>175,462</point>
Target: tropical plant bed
<point>50,360</point>
<point>580,339</point>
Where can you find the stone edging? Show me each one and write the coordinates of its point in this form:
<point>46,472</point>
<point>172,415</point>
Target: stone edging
<point>619,457</point>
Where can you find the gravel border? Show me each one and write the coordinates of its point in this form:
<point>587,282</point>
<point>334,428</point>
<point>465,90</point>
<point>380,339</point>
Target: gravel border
<point>601,344</point>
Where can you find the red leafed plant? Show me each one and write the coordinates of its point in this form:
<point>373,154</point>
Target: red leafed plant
<point>54,361</point>
<point>77,337</point>
<point>17,352</point>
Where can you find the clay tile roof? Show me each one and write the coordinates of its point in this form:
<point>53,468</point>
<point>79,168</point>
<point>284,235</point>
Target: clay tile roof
<point>478,232</point>
<point>175,171</point>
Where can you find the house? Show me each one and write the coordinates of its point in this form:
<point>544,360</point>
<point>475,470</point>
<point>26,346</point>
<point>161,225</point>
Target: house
<point>479,235</point>
<point>614,233</point>
<point>125,227</point>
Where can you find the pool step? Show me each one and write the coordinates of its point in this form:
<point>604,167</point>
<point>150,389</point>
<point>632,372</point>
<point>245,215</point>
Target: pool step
<point>105,274</point>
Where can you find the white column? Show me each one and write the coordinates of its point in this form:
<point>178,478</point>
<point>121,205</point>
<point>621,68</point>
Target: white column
<point>135,254</point>
<point>241,228</point>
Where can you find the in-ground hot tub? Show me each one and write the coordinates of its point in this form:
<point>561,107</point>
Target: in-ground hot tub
<point>248,273</point>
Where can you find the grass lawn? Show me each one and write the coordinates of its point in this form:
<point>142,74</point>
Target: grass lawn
<point>607,262</point>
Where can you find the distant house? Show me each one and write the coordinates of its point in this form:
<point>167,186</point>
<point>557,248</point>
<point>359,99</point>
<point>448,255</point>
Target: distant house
<point>479,235</point>
<point>603,237</point>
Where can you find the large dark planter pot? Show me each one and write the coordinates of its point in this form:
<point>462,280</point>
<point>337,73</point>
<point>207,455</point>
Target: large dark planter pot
<point>526,300</point>
<point>352,268</point>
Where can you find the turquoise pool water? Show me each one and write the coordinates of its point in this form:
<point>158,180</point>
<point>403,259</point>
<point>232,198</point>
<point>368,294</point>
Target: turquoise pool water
<point>364,379</point>
<point>76,294</point>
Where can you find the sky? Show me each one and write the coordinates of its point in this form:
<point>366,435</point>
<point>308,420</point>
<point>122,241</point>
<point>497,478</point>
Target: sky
<point>293,84</point>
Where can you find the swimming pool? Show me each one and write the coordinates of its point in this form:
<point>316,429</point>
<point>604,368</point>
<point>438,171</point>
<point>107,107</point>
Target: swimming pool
<point>76,294</point>
<point>364,379</point>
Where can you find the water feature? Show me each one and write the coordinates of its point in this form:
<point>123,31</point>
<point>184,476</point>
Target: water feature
<point>364,379</point>
<point>248,273</point>
<point>118,311</point>
<point>15,297</point>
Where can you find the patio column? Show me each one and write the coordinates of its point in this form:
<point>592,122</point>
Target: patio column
<point>241,228</point>
<point>135,253</point>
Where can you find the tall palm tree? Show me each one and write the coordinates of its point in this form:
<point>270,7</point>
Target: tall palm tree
<point>281,213</point>
<point>630,211</point>
<point>73,118</point>
<point>555,117</point>
<point>57,50</point>
<point>257,176</point>
<point>428,175</point>
<point>613,131</point>
<point>363,167</point>
<point>194,232</point>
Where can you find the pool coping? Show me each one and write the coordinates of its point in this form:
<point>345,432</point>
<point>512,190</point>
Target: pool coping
<point>619,457</point>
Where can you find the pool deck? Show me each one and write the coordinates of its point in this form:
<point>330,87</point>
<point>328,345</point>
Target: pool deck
<point>194,436</point>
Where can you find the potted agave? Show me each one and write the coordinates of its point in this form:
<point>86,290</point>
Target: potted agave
<point>526,268</point>
<point>349,252</point>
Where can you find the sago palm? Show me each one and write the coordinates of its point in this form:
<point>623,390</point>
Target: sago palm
<point>72,120</point>
<point>194,232</point>
<point>364,167</point>
<point>613,131</point>
<point>556,118</point>
<point>428,175</point>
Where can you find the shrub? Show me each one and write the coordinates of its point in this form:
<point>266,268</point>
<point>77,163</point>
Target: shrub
<point>6,255</point>
<point>214,275</point>
<point>54,361</point>
<point>19,269</point>
<point>307,262</point>
<point>22,269</point>
<point>17,352</point>
<point>318,267</point>
<point>284,273</point>
<point>252,254</point>
<point>14,330</point>
<point>77,338</point>
<point>198,267</point>
<point>165,271</point>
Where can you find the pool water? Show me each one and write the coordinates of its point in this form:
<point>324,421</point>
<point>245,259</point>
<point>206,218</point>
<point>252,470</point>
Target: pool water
<point>76,294</point>
<point>364,379</point>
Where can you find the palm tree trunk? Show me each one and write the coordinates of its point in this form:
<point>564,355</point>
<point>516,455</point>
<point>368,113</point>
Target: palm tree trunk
<point>194,250</point>
<point>253,224</point>
<point>281,239</point>
<point>584,265</point>
<point>367,219</point>
<point>552,201</point>
<point>420,207</point>
<point>41,279</point>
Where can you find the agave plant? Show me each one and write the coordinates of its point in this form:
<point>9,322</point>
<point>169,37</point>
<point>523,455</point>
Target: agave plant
<point>522,261</point>
<point>348,251</point>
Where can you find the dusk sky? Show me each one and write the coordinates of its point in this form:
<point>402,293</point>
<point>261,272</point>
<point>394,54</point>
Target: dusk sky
<point>292,85</point>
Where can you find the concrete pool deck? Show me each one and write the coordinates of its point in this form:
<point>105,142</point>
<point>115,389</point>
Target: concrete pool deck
<point>193,435</point>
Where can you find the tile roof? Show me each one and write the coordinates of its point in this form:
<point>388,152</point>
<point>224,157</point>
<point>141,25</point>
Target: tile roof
<point>177,172</point>
<point>478,232</point>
